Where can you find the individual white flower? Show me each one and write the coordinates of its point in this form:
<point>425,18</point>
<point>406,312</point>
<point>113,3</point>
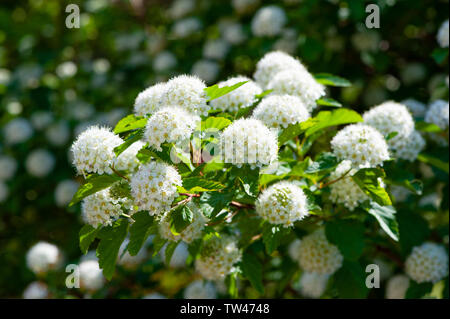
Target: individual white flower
<point>181,8</point>
<point>171,124</point>
<point>345,191</point>
<point>58,133</point>
<point>410,147</point>
<point>191,232</point>
<point>217,257</point>
<point>179,256</point>
<point>199,289</point>
<point>93,150</point>
<point>43,257</point>
<point>154,295</point>
<point>188,92</point>
<point>427,263</point>
<point>206,70</point>
<point>40,163</point>
<point>41,119</point>
<point>268,21</point>
<point>36,290</point>
<point>271,64</point>
<point>4,192</point>
<point>101,209</point>
<point>164,61</point>
<point>397,286</point>
<point>242,97</point>
<point>300,83</point>
<point>363,145</point>
<point>242,6</point>
<point>416,108</point>
<point>8,167</point>
<point>64,192</point>
<point>442,35</point>
<point>294,248</point>
<point>186,27</point>
<point>317,254</point>
<point>17,130</point>
<point>154,187</point>
<point>127,160</point>
<point>150,100</point>
<point>91,276</point>
<point>282,203</point>
<point>249,141</point>
<point>438,113</point>
<point>233,33</point>
<point>312,285</point>
<point>126,260</point>
<point>280,111</point>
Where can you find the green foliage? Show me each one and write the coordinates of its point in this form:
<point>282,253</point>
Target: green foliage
<point>142,227</point>
<point>385,216</point>
<point>87,237</point>
<point>367,180</point>
<point>332,80</point>
<point>350,281</point>
<point>252,269</point>
<point>214,92</point>
<point>348,236</point>
<point>417,291</point>
<point>129,123</point>
<point>93,184</point>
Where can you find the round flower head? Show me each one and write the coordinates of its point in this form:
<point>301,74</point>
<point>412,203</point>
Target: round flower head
<point>416,108</point>
<point>39,163</point>
<point>199,289</point>
<point>126,260</point>
<point>171,124</point>
<point>233,33</point>
<point>93,150</point>
<point>268,21</point>
<point>206,70</point>
<point>271,64</point>
<point>17,131</point>
<point>164,61</point>
<point>149,101</point>
<point>101,209</point>
<point>249,141</point>
<point>313,285</point>
<point>277,111</point>
<point>363,145</point>
<point>188,92</point>
<point>317,254</point>
<point>41,119</point>
<point>410,147</point>
<point>180,8</point>
<point>282,203</point>
<point>64,192</point>
<point>190,233</point>
<point>397,286</point>
<point>300,83</point>
<point>438,113</point>
<point>217,257</point>
<point>8,167</point>
<point>427,263</point>
<point>294,248</point>
<point>36,290</point>
<point>216,49</point>
<point>242,97</point>
<point>91,276</point>
<point>442,35</point>
<point>154,187</point>
<point>43,257</point>
<point>127,160</point>
<point>186,27</point>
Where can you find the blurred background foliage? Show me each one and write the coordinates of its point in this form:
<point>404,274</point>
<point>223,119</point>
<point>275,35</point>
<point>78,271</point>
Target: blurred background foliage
<point>76,77</point>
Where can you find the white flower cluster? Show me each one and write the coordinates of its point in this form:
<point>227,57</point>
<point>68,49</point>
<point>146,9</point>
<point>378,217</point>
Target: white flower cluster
<point>217,257</point>
<point>149,101</point>
<point>43,257</point>
<point>127,160</point>
<point>191,232</point>
<point>427,263</point>
<point>268,21</point>
<point>294,249</point>
<point>416,108</point>
<point>249,141</point>
<point>442,36</point>
<point>36,290</point>
<point>180,8</point>
<point>277,111</point>
<point>17,130</point>
<point>199,289</point>
<point>206,70</point>
<point>438,113</point>
<point>93,150</point>
<point>101,209</point>
<point>170,124</point>
<point>186,27</point>
<point>316,254</point>
<point>40,163</point>
<point>397,286</point>
<point>126,260</point>
<point>154,187</point>
<point>58,133</point>
<point>282,203</point>
<point>242,97</point>
<point>91,276</point>
<point>394,118</point>
<point>363,145</point>
<point>313,285</point>
<point>233,32</point>
<point>64,192</point>
<point>164,61</point>
<point>216,49</point>
<point>8,167</point>
<point>346,191</point>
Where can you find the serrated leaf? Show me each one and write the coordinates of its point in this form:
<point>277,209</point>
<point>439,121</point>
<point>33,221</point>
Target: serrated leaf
<point>144,225</point>
<point>93,184</point>
<point>130,140</point>
<point>180,218</point>
<point>198,184</point>
<point>252,270</point>
<point>87,236</point>
<point>326,119</point>
<point>348,236</point>
<point>386,217</point>
<point>129,123</point>
<point>331,80</point>
<point>213,92</point>
<point>328,102</point>
<point>108,248</point>
<point>367,180</point>
<point>295,130</point>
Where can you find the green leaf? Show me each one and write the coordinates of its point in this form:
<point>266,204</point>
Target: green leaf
<point>391,136</point>
<point>169,250</point>
<point>272,236</point>
<point>198,184</point>
<point>417,291</point>
<point>427,127</point>
<point>328,102</point>
<point>413,230</point>
<point>218,123</point>
<point>332,80</point>
<point>144,225</point>
<point>440,55</point>
<point>436,162</point>
<point>333,118</point>
<point>231,283</point>
<point>252,270</point>
<point>213,203</point>
<point>108,248</point>
<point>324,162</point>
<point>214,92</point>
<point>350,281</point>
<point>348,236</point>
<point>93,184</point>
<point>367,180</point>
<point>295,130</point>
<point>249,179</point>
<point>130,122</point>
<point>386,217</point>
<point>87,236</point>
<point>180,218</point>
<point>130,140</point>
<point>158,243</point>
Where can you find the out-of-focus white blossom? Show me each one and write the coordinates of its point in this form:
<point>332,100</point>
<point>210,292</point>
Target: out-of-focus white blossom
<point>216,49</point>
<point>181,8</point>
<point>199,289</point>
<point>64,192</point>
<point>233,33</point>
<point>442,36</point>
<point>66,69</point>
<point>312,285</point>
<point>8,167</point>
<point>427,263</point>
<point>206,70</point>
<point>40,163</point>
<point>43,257</point>
<point>91,276</point>
<point>186,27</point>
<point>36,290</point>
<point>397,286</point>
<point>268,21</point>
<point>164,61</point>
<point>416,108</point>
<point>438,113</point>
<point>17,130</point>
<point>58,133</point>
<point>41,119</point>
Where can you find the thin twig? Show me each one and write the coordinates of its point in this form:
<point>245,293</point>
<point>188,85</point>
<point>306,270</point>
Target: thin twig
<point>118,174</point>
<point>334,181</point>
